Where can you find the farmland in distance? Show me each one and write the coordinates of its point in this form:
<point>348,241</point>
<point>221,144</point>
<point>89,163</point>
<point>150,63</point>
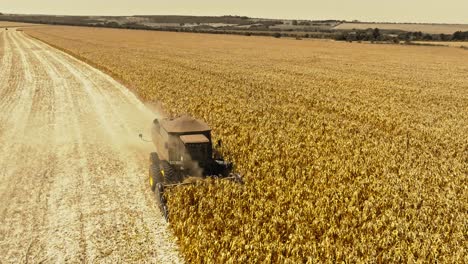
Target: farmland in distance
<point>6,24</point>
<point>350,151</point>
<point>426,28</point>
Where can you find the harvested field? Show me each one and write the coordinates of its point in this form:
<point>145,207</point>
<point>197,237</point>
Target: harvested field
<point>425,28</point>
<point>4,24</point>
<point>72,169</point>
<point>456,44</point>
<point>353,153</point>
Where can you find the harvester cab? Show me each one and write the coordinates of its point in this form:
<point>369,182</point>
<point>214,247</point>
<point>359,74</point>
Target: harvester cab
<point>184,150</point>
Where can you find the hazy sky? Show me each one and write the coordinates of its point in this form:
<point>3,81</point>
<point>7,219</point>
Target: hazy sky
<point>442,11</point>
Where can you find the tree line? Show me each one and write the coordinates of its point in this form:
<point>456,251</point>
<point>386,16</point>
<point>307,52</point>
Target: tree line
<point>378,35</point>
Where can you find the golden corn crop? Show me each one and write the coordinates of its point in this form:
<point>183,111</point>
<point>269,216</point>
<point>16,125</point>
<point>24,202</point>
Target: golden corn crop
<point>350,152</point>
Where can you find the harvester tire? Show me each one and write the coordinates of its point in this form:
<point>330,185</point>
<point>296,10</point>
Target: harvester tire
<point>162,203</point>
<point>165,212</point>
<point>159,193</point>
<point>168,172</point>
<point>155,176</point>
<point>154,158</point>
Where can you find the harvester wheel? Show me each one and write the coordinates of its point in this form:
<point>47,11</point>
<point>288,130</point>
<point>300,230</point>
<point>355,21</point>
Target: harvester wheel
<point>162,202</point>
<point>168,172</point>
<point>154,158</point>
<point>165,213</point>
<point>159,190</point>
<point>155,176</point>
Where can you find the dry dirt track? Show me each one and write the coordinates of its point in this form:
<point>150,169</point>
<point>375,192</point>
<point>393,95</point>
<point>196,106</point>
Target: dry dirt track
<point>72,169</point>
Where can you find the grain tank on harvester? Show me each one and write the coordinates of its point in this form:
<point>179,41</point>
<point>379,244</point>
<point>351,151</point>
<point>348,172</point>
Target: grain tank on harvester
<point>184,152</point>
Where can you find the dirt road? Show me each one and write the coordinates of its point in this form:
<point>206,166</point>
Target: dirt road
<point>72,168</point>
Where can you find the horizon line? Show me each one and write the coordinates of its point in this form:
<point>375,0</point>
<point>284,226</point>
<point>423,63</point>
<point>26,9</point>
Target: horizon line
<point>279,18</point>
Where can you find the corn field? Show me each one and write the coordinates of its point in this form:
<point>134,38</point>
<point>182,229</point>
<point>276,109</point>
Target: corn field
<point>350,152</point>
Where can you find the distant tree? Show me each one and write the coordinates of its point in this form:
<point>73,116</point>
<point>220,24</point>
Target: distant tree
<point>182,24</point>
<point>459,35</point>
<point>407,36</point>
<point>350,38</point>
<point>427,37</point>
<point>376,34</point>
<point>277,35</point>
<point>361,35</point>
<point>444,37</point>
<point>294,22</point>
<point>112,24</point>
<point>417,35</point>
<point>341,36</point>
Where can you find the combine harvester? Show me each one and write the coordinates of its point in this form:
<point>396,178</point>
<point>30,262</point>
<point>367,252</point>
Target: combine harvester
<point>184,153</point>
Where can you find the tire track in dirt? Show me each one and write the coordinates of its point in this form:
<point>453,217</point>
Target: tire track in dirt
<point>112,127</point>
<point>39,128</point>
<point>16,107</point>
<point>97,206</point>
<point>65,203</point>
<point>23,186</point>
<point>107,83</point>
<point>75,162</point>
<point>5,63</point>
